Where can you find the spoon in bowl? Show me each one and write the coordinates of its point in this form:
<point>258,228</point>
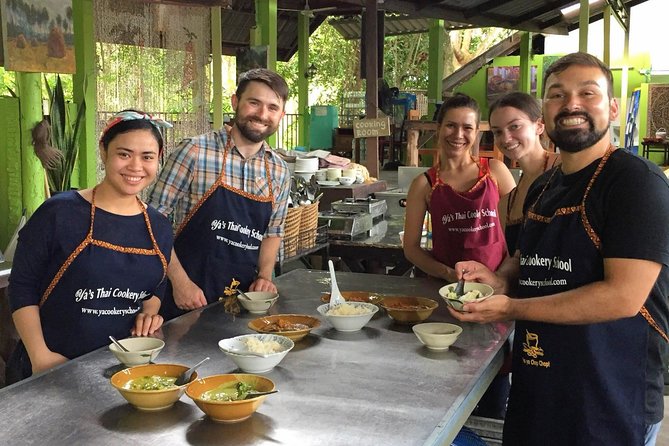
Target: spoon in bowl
<point>243,295</point>
<point>460,287</point>
<point>235,351</point>
<point>335,296</point>
<point>118,344</point>
<point>184,378</point>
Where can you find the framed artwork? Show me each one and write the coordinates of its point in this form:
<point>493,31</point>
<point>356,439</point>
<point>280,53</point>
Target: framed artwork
<point>502,80</point>
<point>38,36</point>
<point>251,57</point>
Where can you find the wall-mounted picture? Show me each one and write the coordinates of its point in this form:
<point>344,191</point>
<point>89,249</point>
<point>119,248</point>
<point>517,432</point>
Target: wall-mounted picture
<point>37,35</point>
<point>502,80</point>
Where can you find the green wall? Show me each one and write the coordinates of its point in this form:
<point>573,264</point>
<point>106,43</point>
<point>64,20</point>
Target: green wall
<point>11,202</point>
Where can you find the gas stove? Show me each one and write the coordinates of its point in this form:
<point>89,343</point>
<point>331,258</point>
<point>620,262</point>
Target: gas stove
<point>373,206</point>
<point>345,225</point>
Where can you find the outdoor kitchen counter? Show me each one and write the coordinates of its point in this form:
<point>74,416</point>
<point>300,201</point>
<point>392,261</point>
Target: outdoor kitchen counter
<point>376,386</point>
<point>376,250</point>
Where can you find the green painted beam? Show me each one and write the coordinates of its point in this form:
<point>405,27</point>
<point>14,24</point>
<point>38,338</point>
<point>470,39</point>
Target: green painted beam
<point>84,81</point>
<point>266,20</point>
<point>217,70</point>
<point>11,188</point>
<point>33,179</point>
<point>435,65</point>
<point>302,80</point>
<point>583,25</point>
<point>606,18</point>
<point>525,62</point>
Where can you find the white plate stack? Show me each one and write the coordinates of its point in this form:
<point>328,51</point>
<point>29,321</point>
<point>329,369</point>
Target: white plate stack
<point>306,167</point>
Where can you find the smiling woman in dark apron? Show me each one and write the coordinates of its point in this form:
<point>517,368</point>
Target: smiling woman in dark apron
<point>593,279</point>
<point>227,193</point>
<point>92,263</point>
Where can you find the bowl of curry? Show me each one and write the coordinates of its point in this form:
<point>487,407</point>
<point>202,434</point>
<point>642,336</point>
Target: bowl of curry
<point>292,326</point>
<point>151,387</point>
<point>408,309</point>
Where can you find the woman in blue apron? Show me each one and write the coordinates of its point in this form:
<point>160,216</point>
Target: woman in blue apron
<point>574,384</point>
<point>92,263</point>
<point>219,240</point>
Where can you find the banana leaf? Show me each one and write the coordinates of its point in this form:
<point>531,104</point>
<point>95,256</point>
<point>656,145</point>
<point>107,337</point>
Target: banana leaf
<point>64,136</point>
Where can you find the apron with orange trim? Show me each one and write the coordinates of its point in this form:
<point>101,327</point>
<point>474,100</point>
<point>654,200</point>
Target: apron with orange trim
<point>220,238</point>
<point>96,293</point>
<point>465,225</point>
<point>573,384</point>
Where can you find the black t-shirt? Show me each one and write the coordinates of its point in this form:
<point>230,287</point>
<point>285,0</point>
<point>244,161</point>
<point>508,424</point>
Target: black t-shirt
<point>628,208</point>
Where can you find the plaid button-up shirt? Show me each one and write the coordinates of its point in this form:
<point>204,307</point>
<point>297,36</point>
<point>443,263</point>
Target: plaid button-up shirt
<point>196,164</point>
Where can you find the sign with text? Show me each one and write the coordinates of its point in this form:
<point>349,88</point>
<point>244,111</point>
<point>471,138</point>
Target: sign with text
<point>369,128</point>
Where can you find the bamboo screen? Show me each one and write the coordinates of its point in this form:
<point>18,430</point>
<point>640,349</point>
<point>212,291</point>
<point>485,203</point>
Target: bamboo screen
<point>155,58</point>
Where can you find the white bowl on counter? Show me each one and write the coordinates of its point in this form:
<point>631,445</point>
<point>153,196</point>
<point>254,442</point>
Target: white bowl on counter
<point>349,323</point>
<point>346,181</point>
<point>251,363</point>
<point>142,350</point>
<point>260,301</point>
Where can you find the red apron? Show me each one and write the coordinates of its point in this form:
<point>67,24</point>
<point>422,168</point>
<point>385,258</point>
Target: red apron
<point>465,225</point>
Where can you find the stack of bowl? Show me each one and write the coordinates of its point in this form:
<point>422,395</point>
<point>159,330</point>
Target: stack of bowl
<point>306,167</point>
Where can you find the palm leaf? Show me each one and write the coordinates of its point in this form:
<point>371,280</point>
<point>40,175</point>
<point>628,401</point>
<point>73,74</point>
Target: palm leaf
<point>64,136</point>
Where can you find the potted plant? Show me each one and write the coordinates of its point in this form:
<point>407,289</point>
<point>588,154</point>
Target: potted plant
<point>56,139</point>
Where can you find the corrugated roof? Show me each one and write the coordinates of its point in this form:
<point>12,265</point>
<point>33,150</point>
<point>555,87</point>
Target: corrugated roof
<point>541,16</point>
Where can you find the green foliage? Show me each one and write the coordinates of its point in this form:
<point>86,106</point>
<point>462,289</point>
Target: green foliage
<point>64,136</point>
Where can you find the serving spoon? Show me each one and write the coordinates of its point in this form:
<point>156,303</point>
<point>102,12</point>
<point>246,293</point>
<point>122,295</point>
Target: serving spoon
<point>235,351</point>
<point>255,394</point>
<point>335,296</point>
<point>242,294</point>
<point>460,287</point>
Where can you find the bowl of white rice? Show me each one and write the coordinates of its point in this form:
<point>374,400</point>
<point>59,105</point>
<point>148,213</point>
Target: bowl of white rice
<point>272,347</point>
<point>349,316</point>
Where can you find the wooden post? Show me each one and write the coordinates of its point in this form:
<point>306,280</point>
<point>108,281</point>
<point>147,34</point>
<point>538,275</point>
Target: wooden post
<point>372,89</point>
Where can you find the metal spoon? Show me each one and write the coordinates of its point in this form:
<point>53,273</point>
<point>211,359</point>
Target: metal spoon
<point>460,287</point>
<point>185,376</point>
<point>118,344</point>
<point>242,294</point>
<point>255,394</point>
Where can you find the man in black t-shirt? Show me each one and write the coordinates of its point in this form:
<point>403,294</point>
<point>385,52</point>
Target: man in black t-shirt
<point>592,278</point>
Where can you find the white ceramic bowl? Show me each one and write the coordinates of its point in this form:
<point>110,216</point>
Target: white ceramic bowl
<point>437,336</point>
<point>306,176</point>
<point>142,350</point>
<point>485,290</point>
<point>349,323</point>
<point>260,301</point>
<point>346,181</point>
<point>255,364</point>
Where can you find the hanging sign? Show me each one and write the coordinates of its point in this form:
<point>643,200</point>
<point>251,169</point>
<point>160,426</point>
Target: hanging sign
<point>369,128</point>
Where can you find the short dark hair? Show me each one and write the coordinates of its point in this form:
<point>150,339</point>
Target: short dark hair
<point>524,102</point>
<point>267,77</point>
<point>582,59</point>
<point>130,125</point>
<point>459,100</point>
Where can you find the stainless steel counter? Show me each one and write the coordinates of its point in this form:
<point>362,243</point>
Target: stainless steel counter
<point>375,387</point>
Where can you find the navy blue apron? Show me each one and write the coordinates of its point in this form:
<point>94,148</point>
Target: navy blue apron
<point>573,384</point>
<point>220,238</point>
<point>98,292</point>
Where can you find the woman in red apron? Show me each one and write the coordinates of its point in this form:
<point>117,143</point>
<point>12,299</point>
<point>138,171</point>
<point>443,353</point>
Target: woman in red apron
<point>461,193</point>
<point>92,263</point>
<point>220,238</point>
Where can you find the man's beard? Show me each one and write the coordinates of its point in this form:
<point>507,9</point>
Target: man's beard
<point>254,135</point>
<point>576,140</point>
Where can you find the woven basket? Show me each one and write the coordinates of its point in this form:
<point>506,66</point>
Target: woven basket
<point>308,226</point>
<point>291,232</point>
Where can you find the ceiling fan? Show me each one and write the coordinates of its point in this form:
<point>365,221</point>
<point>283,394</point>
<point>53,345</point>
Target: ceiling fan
<point>308,12</point>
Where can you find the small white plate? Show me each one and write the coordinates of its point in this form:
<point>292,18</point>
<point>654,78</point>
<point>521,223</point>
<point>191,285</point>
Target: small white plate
<point>327,183</point>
